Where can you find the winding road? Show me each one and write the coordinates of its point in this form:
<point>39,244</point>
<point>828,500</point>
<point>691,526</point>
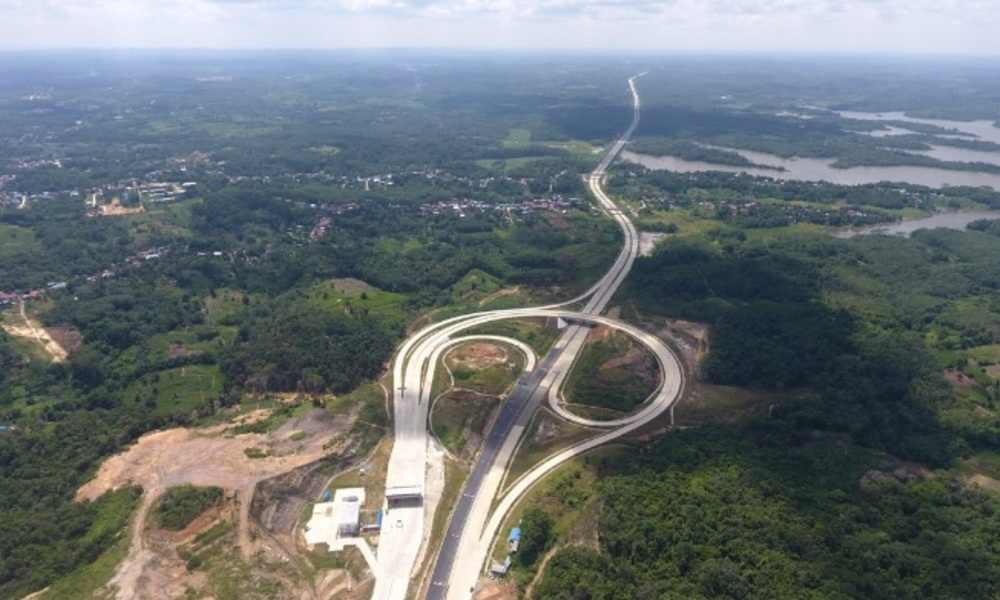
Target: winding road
<point>479,513</point>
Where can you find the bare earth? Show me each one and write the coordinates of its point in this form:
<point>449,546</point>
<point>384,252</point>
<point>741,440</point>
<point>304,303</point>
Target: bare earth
<point>497,591</point>
<point>204,457</point>
<point>115,209</point>
<point>478,355</point>
<point>33,331</point>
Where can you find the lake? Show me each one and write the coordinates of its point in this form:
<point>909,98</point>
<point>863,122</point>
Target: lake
<point>821,169</point>
<point>984,130</point>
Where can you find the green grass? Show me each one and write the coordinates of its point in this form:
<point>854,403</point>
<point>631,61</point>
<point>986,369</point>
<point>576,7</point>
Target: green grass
<point>494,379</point>
<point>159,221</point>
<point>354,297</point>
<point>211,535</point>
<point>593,382</point>
<point>475,286</point>
<point>455,414</point>
<point>774,234</point>
<point>231,578</point>
<point>532,332</point>
<point>986,355</point>
<point>688,224</point>
<point>177,391</point>
<point>577,147</point>
<point>491,380</point>
<point>226,306</point>
<point>533,450</point>
<point>111,525</point>
<point>706,404</point>
<point>368,396</point>
<point>569,496</point>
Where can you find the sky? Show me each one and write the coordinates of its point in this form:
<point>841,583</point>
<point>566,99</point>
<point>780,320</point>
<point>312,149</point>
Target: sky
<point>803,26</point>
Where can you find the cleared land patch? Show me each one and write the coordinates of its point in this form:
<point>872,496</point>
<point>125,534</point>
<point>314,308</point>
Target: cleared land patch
<point>485,367</point>
<point>614,372</point>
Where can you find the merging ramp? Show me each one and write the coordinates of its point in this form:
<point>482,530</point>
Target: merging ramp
<point>473,524</point>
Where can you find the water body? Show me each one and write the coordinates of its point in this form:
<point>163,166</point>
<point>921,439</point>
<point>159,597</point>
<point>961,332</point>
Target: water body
<point>948,220</point>
<point>984,130</point>
<point>950,153</point>
<point>821,169</point>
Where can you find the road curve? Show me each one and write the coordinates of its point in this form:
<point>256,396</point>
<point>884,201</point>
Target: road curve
<point>405,529</point>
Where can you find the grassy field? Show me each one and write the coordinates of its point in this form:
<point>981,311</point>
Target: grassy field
<point>616,373</point>
<point>569,497</point>
<point>373,480</point>
<point>176,391</point>
<point>226,305</point>
<point>545,435</point>
<point>457,413</point>
<point>707,404</point>
<point>351,296</point>
<point>578,147</point>
<point>688,224</point>
<point>533,332</point>
<point>492,379</point>
<point>160,221</point>
<point>986,354</point>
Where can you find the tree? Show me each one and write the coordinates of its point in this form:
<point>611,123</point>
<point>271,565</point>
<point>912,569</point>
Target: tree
<point>536,533</point>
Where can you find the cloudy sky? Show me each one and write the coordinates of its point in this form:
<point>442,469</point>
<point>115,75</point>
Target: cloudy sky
<point>896,26</point>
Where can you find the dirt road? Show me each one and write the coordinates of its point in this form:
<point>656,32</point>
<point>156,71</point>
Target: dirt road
<point>33,331</point>
<point>207,457</point>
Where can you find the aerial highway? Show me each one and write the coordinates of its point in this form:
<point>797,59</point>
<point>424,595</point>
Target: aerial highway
<point>473,524</point>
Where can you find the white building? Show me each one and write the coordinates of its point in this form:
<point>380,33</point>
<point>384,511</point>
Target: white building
<point>340,518</point>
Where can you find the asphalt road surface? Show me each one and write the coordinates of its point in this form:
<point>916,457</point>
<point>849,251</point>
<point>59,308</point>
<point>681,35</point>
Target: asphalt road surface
<point>464,535</point>
<point>473,524</point>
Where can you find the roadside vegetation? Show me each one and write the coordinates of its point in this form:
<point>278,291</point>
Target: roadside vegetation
<point>180,505</point>
<point>481,373</point>
<point>613,372</point>
<point>393,194</point>
<point>868,415</point>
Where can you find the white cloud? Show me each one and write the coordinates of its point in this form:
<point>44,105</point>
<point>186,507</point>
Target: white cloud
<point>930,26</point>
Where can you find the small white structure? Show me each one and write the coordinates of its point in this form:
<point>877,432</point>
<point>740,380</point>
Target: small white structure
<point>348,502</point>
<point>340,518</point>
<point>404,494</point>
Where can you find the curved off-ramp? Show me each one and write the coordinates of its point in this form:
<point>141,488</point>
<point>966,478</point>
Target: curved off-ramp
<point>474,524</point>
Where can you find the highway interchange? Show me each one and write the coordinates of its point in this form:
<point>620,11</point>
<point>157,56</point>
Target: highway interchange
<point>479,512</point>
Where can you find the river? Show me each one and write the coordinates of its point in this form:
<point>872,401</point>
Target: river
<point>984,130</point>
<point>821,169</point>
<point>948,220</point>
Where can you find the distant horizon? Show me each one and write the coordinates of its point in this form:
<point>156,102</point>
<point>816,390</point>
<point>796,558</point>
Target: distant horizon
<point>542,51</point>
<point>848,27</point>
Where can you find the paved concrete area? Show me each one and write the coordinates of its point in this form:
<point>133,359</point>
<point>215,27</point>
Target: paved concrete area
<point>469,533</point>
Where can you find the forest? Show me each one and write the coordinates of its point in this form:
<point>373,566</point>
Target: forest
<point>342,196</point>
<point>242,297</point>
<point>828,496</point>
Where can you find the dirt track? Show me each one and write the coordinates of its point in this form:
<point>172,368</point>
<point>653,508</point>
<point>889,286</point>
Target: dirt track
<point>35,332</point>
<point>205,457</point>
